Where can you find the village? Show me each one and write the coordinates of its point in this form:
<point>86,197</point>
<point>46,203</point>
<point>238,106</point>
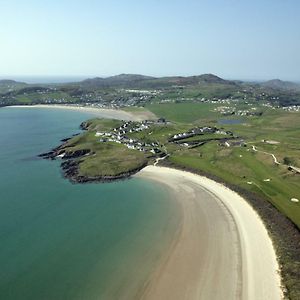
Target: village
<point>225,138</point>
<point>119,135</point>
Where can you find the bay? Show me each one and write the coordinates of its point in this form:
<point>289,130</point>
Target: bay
<point>64,241</point>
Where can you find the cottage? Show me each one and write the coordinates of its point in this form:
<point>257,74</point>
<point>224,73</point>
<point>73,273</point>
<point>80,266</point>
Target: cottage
<point>99,133</point>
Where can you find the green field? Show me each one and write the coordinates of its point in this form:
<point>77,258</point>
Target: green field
<point>185,112</point>
<point>240,165</point>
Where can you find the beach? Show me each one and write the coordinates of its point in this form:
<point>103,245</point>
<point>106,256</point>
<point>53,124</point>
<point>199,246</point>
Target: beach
<point>222,250</point>
<point>98,112</point>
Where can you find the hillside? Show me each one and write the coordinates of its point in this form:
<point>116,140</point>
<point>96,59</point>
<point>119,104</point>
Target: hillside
<point>148,81</point>
<point>279,84</point>
<point>118,80</point>
<point>140,90</point>
<point>7,85</point>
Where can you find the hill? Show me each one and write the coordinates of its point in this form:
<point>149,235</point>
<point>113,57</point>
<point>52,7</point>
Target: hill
<point>140,90</point>
<point>142,81</point>
<point>282,85</point>
<point>8,85</point>
<point>118,80</point>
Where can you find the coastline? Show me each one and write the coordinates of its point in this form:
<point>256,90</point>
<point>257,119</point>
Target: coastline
<point>149,289</point>
<point>213,218</point>
<point>71,163</point>
<point>98,112</point>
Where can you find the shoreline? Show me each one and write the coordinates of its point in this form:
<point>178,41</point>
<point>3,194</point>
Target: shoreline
<point>213,218</point>
<point>71,163</point>
<point>87,109</point>
<point>100,112</point>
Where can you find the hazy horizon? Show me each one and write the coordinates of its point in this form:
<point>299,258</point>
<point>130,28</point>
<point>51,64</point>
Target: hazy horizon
<point>257,40</point>
<point>53,79</point>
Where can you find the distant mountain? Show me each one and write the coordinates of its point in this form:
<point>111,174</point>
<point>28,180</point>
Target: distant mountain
<point>10,82</point>
<point>117,90</point>
<point>117,80</point>
<point>211,78</point>
<point>128,77</point>
<point>142,81</point>
<point>7,85</point>
<point>281,85</point>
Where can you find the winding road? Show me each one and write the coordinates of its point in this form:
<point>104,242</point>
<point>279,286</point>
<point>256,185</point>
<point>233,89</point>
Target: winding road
<point>273,156</point>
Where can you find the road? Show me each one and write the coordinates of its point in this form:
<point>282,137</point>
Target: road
<point>273,156</point>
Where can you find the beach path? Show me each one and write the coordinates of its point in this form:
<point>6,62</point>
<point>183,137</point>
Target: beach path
<point>222,250</point>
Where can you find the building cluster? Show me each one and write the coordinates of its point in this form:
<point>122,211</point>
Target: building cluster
<point>181,138</point>
<point>144,92</point>
<point>229,110</point>
<point>198,131</point>
<point>292,108</point>
<point>233,143</point>
<point>196,100</point>
<point>225,110</point>
<point>119,135</point>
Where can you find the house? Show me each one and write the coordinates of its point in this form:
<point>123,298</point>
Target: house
<point>161,120</point>
<point>130,146</point>
<point>99,133</point>
<point>234,143</point>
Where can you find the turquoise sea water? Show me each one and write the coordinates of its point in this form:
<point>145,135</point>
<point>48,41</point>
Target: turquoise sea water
<point>64,241</point>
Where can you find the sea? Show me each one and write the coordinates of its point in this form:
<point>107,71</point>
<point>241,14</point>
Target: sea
<point>60,240</point>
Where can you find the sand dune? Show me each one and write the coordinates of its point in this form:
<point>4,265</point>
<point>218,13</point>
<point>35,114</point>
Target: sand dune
<point>222,251</point>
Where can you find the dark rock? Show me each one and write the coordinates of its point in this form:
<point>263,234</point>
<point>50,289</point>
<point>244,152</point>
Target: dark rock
<point>76,153</point>
<point>65,140</point>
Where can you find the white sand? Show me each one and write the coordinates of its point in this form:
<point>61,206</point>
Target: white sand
<point>100,112</point>
<point>223,250</point>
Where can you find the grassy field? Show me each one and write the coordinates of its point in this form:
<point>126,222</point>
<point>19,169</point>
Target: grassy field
<point>250,170</point>
<point>254,171</point>
<point>184,112</point>
<point>111,159</point>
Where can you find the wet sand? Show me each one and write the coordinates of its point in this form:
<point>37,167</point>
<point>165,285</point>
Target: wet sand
<point>222,250</point>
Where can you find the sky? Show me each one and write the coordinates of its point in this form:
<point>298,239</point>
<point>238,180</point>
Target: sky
<point>234,39</point>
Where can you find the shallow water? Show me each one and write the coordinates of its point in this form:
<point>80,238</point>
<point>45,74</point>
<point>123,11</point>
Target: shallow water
<point>64,241</point>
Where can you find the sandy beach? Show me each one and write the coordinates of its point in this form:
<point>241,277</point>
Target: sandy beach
<point>98,112</point>
<point>222,250</point>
